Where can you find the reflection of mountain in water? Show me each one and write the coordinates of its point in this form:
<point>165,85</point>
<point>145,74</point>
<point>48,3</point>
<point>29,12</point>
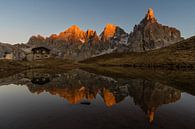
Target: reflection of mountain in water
<point>78,86</point>
<point>149,96</point>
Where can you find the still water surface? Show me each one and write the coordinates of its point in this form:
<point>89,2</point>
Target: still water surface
<point>78,99</point>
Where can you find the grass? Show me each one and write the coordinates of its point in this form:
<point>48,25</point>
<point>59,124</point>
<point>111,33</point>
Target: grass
<point>8,67</point>
<point>177,56</point>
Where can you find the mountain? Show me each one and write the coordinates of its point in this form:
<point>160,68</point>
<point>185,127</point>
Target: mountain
<point>92,37</point>
<point>67,44</point>
<point>77,44</point>
<point>72,35</point>
<point>149,34</point>
<point>114,35</point>
<point>36,40</point>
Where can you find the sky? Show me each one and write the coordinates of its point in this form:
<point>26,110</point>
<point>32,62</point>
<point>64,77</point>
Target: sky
<point>20,19</point>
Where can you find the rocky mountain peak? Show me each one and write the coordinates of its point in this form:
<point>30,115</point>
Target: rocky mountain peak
<point>54,36</point>
<point>113,34</point>
<point>72,35</point>
<point>149,34</point>
<point>92,37</point>
<point>36,39</point>
<point>109,31</point>
<point>90,33</point>
<point>150,15</point>
<point>73,28</point>
<point>149,18</point>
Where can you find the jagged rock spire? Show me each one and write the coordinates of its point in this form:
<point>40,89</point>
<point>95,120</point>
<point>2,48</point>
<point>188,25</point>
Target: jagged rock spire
<point>150,17</point>
<point>150,34</point>
<point>113,33</point>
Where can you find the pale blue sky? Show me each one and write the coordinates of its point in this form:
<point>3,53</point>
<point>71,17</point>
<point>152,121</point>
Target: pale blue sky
<point>20,19</point>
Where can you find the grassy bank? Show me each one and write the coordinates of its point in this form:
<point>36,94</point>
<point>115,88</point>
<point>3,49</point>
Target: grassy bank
<point>177,56</point>
<point>8,67</point>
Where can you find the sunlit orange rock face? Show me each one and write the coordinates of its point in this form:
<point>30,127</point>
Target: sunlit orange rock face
<point>73,34</point>
<point>109,98</point>
<point>150,15</point>
<point>113,35</point>
<point>90,33</point>
<point>54,36</point>
<point>91,36</point>
<point>109,32</point>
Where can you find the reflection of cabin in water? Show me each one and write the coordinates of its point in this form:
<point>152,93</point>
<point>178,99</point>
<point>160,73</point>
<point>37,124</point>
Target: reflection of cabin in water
<point>39,53</point>
<point>40,80</point>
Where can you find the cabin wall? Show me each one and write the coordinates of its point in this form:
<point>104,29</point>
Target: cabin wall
<point>41,56</point>
<point>38,54</point>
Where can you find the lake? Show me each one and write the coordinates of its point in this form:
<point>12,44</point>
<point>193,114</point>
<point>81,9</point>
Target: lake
<point>84,99</point>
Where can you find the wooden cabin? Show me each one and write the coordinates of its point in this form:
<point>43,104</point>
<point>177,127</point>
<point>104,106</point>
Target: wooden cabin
<point>39,53</point>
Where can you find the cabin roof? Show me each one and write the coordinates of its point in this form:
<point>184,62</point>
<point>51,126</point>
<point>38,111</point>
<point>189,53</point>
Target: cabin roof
<point>41,48</point>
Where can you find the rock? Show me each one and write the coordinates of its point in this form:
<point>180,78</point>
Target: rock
<point>114,35</point>
<point>72,35</point>
<point>92,37</point>
<point>149,35</point>
<point>77,44</point>
<point>36,40</point>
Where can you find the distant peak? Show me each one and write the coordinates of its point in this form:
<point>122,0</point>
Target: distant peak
<point>110,26</point>
<point>90,31</point>
<point>109,30</point>
<point>74,28</point>
<point>54,36</point>
<point>38,37</point>
<point>150,14</point>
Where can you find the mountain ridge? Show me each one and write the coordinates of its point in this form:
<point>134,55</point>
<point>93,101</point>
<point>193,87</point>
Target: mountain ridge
<point>75,43</point>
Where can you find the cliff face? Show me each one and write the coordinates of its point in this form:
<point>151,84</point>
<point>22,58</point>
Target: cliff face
<point>113,34</point>
<point>72,35</point>
<point>149,35</point>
